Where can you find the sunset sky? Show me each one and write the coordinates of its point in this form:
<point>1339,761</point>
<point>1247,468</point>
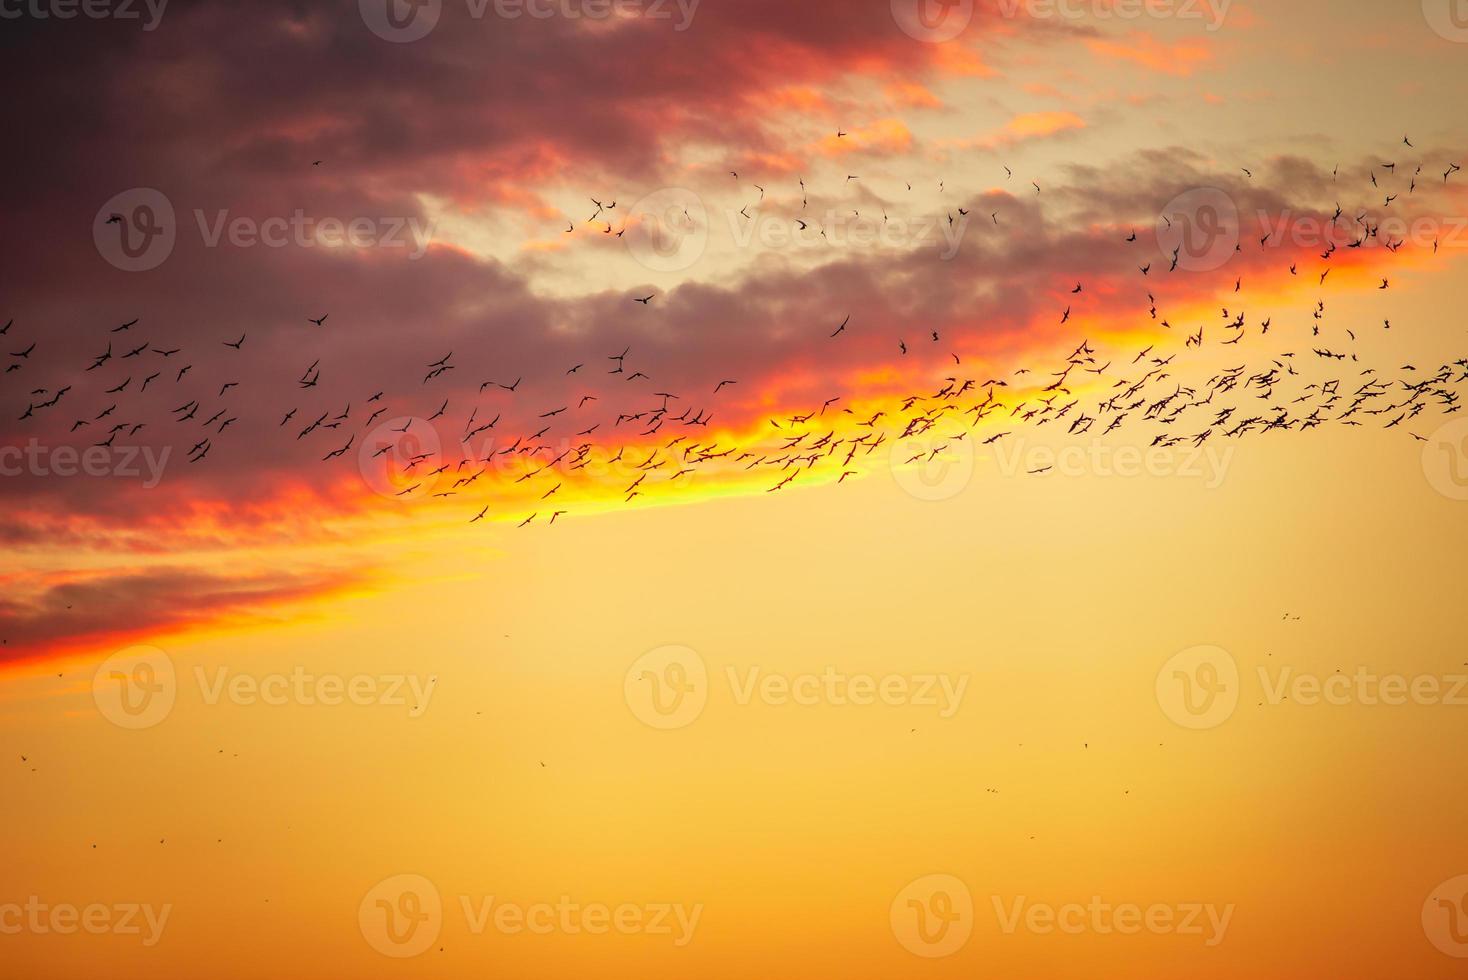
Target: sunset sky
<point>867,489</point>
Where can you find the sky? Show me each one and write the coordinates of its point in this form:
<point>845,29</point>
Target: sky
<point>697,487</point>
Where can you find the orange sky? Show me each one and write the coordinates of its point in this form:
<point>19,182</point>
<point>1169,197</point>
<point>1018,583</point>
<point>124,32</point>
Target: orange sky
<point>1016,531</point>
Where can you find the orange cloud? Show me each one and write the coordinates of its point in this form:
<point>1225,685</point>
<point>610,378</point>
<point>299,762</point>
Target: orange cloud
<point>1141,48</point>
<point>882,136</point>
<point>1027,126</point>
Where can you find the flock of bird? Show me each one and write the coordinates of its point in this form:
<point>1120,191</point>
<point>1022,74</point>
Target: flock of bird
<point>659,437</point>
